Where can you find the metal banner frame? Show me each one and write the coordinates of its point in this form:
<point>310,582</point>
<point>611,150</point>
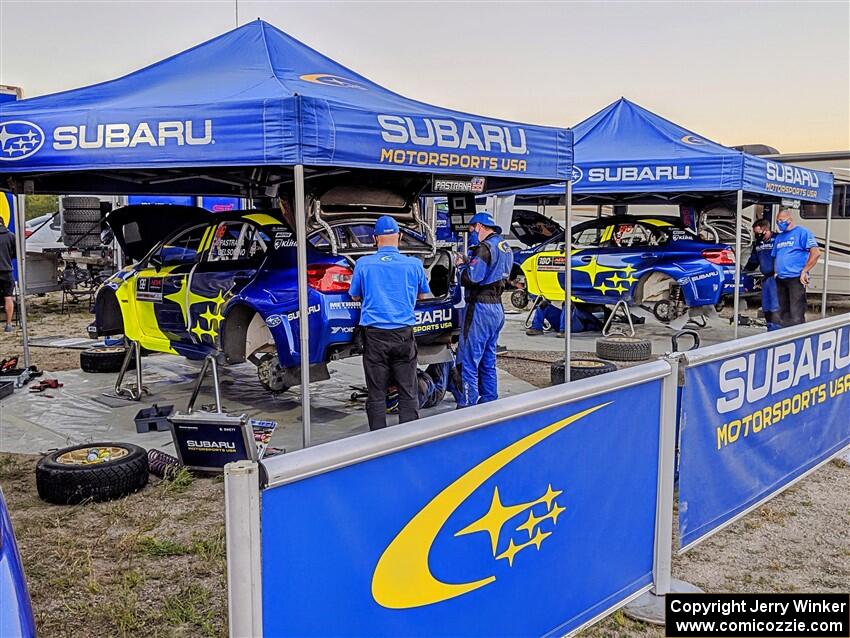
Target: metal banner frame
<point>713,353</point>
<point>568,278</point>
<point>826,246</point>
<point>242,480</point>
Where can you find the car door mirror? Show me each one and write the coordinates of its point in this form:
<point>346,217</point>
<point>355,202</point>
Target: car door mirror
<point>155,261</point>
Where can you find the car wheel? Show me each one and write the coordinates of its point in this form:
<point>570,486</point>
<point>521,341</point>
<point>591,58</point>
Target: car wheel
<point>271,374</point>
<point>622,348</point>
<point>103,359</point>
<point>91,472</point>
<point>580,369</point>
<point>519,299</point>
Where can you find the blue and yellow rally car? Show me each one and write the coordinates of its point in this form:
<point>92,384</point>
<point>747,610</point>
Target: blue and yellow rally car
<point>226,283</point>
<point>651,261</point>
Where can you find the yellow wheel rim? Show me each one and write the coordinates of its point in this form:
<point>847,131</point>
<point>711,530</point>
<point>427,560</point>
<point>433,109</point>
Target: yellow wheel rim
<point>80,456</point>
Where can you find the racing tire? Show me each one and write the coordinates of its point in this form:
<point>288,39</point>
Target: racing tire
<point>81,229</point>
<point>103,359</point>
<point>622,348</point>
<point>519,299</point>
<point>82,215</point>
<point>80,202</point>
<point>65,477</point>
<point>580,369</point>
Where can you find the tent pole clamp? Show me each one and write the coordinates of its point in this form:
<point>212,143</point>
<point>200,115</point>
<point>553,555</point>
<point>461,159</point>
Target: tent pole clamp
<point>210,365</point>
<point>131,392</point>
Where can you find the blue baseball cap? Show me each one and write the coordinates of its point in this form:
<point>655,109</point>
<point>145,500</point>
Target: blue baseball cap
<point>386,225</point>
<point>485,219</point>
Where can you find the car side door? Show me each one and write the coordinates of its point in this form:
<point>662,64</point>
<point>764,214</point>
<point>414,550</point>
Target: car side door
<point>235,252</point>
<point>161,288</point>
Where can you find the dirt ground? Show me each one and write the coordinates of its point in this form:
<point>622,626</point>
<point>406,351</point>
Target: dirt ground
<point>45,319</point>
<point>151,564</point>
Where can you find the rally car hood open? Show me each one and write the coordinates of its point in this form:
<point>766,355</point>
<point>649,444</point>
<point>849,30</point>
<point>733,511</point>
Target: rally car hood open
<point>140,227</point>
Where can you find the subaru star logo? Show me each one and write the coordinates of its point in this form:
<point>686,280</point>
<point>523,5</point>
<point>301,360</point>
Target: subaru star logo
<point>19,139</point>
<point>332,80</point>
<point>577,174</point>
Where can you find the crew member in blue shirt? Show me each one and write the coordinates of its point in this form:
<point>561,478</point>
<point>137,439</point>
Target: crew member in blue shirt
<point>762,258</point>
<point>795,253</point>
<point>483,276</point>
<point>389,284</point>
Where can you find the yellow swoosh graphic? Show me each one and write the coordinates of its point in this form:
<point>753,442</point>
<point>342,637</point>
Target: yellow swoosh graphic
<point>402,577</point>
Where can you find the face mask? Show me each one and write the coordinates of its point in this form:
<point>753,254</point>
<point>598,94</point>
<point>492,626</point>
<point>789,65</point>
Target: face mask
<point>782,224</point>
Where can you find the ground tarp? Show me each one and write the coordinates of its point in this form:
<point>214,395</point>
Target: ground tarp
<point>255,96</point>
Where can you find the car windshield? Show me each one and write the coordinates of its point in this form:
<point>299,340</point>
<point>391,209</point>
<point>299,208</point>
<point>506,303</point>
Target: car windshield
<point>360,237</point>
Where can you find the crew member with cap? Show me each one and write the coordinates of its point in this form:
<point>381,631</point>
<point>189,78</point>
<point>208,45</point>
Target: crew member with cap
<point>762,258</point>
<point>796,252</point>
<point>483,276</point>
<point>389,284</point>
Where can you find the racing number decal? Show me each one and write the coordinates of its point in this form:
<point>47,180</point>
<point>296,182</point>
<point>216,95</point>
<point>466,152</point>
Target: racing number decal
<point>149,289</point>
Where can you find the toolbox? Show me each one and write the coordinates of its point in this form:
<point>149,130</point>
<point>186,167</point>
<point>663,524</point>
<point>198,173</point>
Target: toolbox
<point>154,419</point>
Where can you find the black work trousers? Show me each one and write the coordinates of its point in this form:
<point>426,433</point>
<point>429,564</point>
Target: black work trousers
<point>792,301</point>
<point>390,356</point>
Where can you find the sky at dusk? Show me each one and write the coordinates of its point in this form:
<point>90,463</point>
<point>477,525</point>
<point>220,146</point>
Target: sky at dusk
<point>776,73</point>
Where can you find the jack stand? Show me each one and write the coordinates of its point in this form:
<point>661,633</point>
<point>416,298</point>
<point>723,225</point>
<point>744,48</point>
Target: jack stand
<point>134,393</point>
<point>607,329</point>
<point>210,364</point>
<point>650,607</point>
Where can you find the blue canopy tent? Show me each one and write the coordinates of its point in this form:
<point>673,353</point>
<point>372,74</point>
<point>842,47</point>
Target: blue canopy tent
<point>625,154</point>
<point>256,112</point>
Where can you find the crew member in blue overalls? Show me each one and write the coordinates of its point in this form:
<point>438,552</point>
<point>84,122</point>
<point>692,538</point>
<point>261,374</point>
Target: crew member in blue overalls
<point>762,258</point>
<point>483,275</point>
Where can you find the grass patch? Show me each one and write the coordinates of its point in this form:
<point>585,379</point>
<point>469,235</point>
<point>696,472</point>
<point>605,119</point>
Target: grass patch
<point>209,548</point>
<point>160,547</point>
<point>177,482</point>
<point>190,606</point>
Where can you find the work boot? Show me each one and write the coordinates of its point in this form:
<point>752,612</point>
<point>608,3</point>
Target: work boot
<point>533,332</point>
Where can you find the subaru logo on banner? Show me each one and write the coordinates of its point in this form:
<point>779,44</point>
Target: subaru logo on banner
<point>577,174</point>
<point>19,139</point>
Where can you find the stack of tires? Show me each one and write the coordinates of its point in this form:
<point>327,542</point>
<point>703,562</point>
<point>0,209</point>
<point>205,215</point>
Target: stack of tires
<point>81,222</point>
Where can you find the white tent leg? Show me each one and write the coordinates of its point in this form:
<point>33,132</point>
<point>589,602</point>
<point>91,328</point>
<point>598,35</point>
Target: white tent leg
<point>568,278</point>
<point>738,220</point>
<point>303,316</point>
<point>826,260</point>
<point>20,238</point>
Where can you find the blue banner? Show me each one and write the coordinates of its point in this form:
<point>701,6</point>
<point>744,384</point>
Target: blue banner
<point>531,527</point>
<point>751,423</point>
<point>786,180</point>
